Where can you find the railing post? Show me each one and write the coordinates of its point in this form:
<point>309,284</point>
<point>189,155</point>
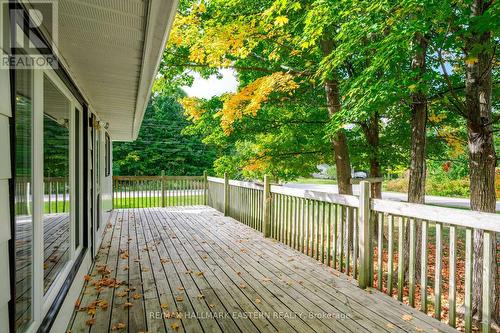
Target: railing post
<point>364,234</point>
<point>266,221</point>
<point>226,194</point>
<point>487,281</point>
<point>162,190</point>
<point>205,187</point>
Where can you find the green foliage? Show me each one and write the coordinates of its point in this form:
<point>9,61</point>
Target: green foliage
<point>281,126</point>
<point>434,186</point>
<point>162,145</point>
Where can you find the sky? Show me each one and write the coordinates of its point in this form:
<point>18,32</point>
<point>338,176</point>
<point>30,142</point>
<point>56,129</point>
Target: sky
<point>202,88</point>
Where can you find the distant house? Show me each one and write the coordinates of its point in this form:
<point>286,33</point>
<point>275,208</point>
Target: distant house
<point>76,76</point>
<point>323,171</point>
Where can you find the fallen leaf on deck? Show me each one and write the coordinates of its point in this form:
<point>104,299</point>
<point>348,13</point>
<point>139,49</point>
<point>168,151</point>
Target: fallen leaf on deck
<point>258,301</point>
<point>211,305</point>
<point>122,294</point>
<point>103,304</point>
<point>389,325</point>
<point>200,296</point>
<point>77,304</point>
<point>136,296</point>
<point>407,317</point>
<point>179,298</point>
<point>164,306</point>
<point>87,277</point>
<point>90,322</point>
<point>127,305</point>
<point>175,326</point>
<point>118,326</point>
<point>243,286</point>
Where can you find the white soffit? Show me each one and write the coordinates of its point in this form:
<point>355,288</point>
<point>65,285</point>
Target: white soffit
<point>112,49</point>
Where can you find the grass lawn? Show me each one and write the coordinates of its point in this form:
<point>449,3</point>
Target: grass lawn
<point>314,181</point>
<point>155,201</point>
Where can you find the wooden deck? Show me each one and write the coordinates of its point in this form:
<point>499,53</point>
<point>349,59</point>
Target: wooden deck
<point>189,269</point>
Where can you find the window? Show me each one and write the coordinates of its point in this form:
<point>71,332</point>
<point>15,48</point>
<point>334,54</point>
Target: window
<point>108,156</point>
<point>56,172</point>
<point>78,161</point>
<point>23,199</point>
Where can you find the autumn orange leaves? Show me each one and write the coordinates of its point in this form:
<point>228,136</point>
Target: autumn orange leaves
<point>247,102</point>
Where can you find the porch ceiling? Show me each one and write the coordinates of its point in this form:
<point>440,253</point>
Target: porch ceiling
<point>112,50</point>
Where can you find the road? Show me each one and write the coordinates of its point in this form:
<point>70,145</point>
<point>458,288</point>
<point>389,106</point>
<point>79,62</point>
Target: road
<point>429,199</point>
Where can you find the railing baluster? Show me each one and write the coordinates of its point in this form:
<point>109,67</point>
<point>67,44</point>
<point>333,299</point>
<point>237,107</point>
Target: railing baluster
<point>452,287</point>
<point>335,236</point>
<point>323,229</point>
<point>295,223</point>
<point>302,225</point>
<point>401,269</point>
<point>468,278</point>
<point>318,219</point>
<point>423,269</point>
<point>306,226</point>
<point>411,269</point>
<point>348,241</point>
<point>57,197</point>
<point>283,219</point>
<point>380,249</point>
<point>390,253</point>
<point>437,273</point>
<point>342,216</point>
<point>355,241</point>
<point>289,221</point>
<point>487,286</point>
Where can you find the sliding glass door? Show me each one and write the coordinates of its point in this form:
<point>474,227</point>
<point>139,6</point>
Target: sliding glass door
<point>47,193</point>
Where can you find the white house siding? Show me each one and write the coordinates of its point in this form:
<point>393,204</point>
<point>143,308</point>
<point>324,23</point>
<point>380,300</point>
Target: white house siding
<point>5,175</point>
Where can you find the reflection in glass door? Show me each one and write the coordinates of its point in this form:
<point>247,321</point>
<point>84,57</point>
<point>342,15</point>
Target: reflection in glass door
<point>56,172</point>
<point>23,199</point>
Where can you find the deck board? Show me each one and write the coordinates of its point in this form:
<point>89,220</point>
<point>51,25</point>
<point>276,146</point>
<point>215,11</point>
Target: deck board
<point>193,270</point>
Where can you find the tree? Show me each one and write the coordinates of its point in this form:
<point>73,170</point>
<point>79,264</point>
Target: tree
<point>162,144</point>
<point>479,54</point>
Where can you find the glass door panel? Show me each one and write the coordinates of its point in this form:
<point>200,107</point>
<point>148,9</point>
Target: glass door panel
<point>56,169</point>
<point>23,199</point>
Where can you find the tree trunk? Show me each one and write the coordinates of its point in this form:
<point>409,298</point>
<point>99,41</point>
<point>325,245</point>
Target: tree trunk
<point>482,155</point>
<point>338,140</point>
<point>371,131</point>
<point>416,186</point>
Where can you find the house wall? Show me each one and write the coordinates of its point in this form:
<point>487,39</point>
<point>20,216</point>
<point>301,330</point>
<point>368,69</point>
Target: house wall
<point>5,175</point>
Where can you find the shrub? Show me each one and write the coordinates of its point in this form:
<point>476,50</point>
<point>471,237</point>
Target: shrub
<point>433,186</point>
